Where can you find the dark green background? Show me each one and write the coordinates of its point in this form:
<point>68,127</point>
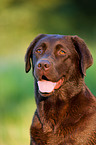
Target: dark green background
<point>20,22</point>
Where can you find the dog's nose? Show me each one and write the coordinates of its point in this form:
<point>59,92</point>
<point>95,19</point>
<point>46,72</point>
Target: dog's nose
<point>43,64</point>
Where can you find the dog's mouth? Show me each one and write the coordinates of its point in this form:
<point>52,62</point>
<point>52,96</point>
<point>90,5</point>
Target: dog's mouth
<point>47,87</point>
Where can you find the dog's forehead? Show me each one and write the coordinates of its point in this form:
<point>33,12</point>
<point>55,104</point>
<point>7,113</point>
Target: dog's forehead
<point>53,39</point>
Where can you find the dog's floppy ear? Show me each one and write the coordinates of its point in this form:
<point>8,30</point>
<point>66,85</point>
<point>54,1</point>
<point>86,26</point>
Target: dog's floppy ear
<point>29,52</point>
<point>86,59</point>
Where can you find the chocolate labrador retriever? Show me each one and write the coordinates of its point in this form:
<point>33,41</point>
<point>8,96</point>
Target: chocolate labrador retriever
<point>66,109</point>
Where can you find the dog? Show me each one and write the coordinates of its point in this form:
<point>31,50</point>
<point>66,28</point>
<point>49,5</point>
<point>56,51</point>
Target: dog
<point>66,109</point>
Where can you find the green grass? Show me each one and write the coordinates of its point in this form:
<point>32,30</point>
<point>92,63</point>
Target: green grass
<point>17,104</point>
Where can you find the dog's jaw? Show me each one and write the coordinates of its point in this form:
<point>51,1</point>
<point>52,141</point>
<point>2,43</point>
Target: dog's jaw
<point>46,88</point>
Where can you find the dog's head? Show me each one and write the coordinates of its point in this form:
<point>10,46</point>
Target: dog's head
<point>56,59</point>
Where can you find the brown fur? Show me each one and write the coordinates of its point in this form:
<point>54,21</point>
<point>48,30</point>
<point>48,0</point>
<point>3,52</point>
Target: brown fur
<point>66,116</point>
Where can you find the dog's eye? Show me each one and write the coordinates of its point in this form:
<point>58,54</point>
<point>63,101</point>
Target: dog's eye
<point>39,50</point>
<point>61,52</point>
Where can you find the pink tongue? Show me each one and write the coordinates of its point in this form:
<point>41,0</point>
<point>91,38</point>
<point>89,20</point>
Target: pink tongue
<point>46,86</point>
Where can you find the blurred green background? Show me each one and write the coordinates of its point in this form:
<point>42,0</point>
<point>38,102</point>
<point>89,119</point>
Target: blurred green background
<point>20,22</point>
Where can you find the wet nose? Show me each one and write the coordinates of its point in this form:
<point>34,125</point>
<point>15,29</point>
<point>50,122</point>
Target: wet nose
<point>43,64</point>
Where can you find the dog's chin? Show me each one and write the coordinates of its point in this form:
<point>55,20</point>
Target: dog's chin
<point>46,94</point>
<point>48,88</point>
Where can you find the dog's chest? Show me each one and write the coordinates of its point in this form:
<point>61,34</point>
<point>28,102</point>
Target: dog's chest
<point>62,137</point>
<point>58,133</point>
<point>58,125</point>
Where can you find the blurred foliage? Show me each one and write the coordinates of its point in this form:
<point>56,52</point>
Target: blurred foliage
<point>20,22</point>
<point>17,104</point>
